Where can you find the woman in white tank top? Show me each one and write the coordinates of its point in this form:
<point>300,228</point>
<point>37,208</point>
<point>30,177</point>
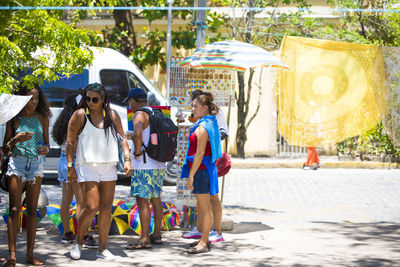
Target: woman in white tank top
<point>97,126</point>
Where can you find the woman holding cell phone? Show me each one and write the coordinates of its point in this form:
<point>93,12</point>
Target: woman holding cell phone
<point>27,141</point>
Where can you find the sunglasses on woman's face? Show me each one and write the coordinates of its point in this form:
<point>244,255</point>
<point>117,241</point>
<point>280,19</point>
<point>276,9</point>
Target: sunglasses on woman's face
<point>94,100</point>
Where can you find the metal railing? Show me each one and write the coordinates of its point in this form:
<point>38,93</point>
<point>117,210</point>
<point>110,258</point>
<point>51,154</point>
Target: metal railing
<point>284,149</point>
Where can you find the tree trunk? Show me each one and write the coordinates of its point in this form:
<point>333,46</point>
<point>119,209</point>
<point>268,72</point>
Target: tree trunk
<point>241,136</point>
<point>123,22</point>
<point>242,103</point>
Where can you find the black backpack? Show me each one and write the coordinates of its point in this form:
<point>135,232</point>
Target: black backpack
<point>167,136</point>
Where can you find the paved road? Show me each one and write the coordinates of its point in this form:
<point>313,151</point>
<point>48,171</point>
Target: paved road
<point>283,217</point>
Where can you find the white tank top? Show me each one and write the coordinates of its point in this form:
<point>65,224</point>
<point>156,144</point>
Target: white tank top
<point>150,163</point>
<point>94,148</point>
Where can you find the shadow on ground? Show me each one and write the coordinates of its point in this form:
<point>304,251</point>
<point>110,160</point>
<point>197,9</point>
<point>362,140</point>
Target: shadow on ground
<point>248,227</point>
<point>365,236</point>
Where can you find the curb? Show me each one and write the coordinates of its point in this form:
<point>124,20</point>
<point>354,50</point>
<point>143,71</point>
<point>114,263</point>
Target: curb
<point>326,165</point>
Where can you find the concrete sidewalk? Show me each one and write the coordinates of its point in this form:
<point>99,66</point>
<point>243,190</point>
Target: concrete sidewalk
<point>328,162</point>
<point>282,217</point>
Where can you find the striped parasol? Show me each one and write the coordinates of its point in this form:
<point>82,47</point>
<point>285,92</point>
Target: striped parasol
<point>231,55</point>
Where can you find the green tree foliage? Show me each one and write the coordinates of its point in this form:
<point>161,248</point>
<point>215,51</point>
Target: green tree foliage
<point>123,36</point>
<point>364,27</point>
<point>24,32</point>
<point>267,28</point>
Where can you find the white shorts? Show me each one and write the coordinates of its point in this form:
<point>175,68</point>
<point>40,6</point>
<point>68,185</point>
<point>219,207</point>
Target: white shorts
<point>102,173</point>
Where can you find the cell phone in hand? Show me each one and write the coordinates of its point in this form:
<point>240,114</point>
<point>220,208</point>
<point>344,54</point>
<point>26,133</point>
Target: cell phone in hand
<point>29,133</point>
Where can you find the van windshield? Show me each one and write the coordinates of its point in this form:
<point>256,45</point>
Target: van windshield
<point>57,91</point>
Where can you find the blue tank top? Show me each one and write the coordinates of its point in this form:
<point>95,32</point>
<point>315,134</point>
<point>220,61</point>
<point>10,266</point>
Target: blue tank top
<point>29,148</point>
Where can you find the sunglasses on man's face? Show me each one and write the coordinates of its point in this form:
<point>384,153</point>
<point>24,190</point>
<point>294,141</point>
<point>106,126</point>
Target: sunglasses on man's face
<point>94,100</point>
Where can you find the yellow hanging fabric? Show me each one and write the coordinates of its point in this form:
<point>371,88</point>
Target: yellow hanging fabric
<point>332,91</point>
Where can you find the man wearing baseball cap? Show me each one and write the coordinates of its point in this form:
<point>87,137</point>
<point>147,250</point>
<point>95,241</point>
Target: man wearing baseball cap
<point>148,174</point>
<point>135,93</point>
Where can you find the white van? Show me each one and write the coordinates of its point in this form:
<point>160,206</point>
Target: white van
<point>118,74</point>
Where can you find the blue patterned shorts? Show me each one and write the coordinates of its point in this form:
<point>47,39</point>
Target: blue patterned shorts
<point>147,183</point>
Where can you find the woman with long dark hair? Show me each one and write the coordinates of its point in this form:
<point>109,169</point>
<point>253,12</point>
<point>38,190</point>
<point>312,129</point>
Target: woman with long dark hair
<point>204,148</point>
<point>27,140</point>
<point>69,189</point>
<point>96,125</point>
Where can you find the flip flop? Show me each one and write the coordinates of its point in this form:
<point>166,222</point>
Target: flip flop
<point>193,244</point>
<point>139,244</point>
<point>10,263</point>
<point>194,250</point>
<point>156,240</point>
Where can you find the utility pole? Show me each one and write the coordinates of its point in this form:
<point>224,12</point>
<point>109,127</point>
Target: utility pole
<point>168,61</point>
<point>201,24</point>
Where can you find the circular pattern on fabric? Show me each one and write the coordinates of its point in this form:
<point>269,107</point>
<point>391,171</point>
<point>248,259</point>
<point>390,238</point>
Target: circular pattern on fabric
<point>323,85</point>
<point>331,84</point>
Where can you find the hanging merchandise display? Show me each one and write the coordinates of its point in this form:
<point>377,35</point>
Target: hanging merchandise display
<point>186,80</point>
<point>183,136</point>
<point>334,90</point>
<point>183,82</point>
<point>391,120</point>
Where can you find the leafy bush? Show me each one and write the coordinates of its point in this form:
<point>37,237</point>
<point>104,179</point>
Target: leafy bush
<point>371,143</point>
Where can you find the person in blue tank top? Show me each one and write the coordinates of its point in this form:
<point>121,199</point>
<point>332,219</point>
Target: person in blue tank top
<point>27,140</point>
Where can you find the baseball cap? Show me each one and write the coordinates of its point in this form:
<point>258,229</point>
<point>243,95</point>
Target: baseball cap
<point>135,93</point>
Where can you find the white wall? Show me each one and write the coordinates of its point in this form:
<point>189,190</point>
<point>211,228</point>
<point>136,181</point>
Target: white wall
<point>261,134</point>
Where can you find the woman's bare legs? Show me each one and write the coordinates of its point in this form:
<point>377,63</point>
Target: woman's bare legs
<point>205,208</point>
<point>67,196</point>
<point>32,196</point>
<point>217,212</point>
<point>91,201</point>
<point>80,202</point>
<point>15,193</point>
<point>107,190</point>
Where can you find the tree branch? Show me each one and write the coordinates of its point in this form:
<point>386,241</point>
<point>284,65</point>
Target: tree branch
<point>258,103</point>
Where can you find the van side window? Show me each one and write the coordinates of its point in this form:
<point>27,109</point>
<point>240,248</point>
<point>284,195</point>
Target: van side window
<point>135,82</point>
<point>118,83</point>
<point>58,90</point>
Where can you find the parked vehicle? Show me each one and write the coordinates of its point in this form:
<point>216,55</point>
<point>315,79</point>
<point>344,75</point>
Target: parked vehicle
<point>118,74</point>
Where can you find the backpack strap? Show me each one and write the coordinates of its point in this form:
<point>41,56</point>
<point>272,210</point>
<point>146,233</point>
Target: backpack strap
<point>150,112</point>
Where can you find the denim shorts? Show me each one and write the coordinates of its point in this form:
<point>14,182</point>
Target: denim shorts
<point>26,168</point>
<point>201,182</point>
<point>63,168</point>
